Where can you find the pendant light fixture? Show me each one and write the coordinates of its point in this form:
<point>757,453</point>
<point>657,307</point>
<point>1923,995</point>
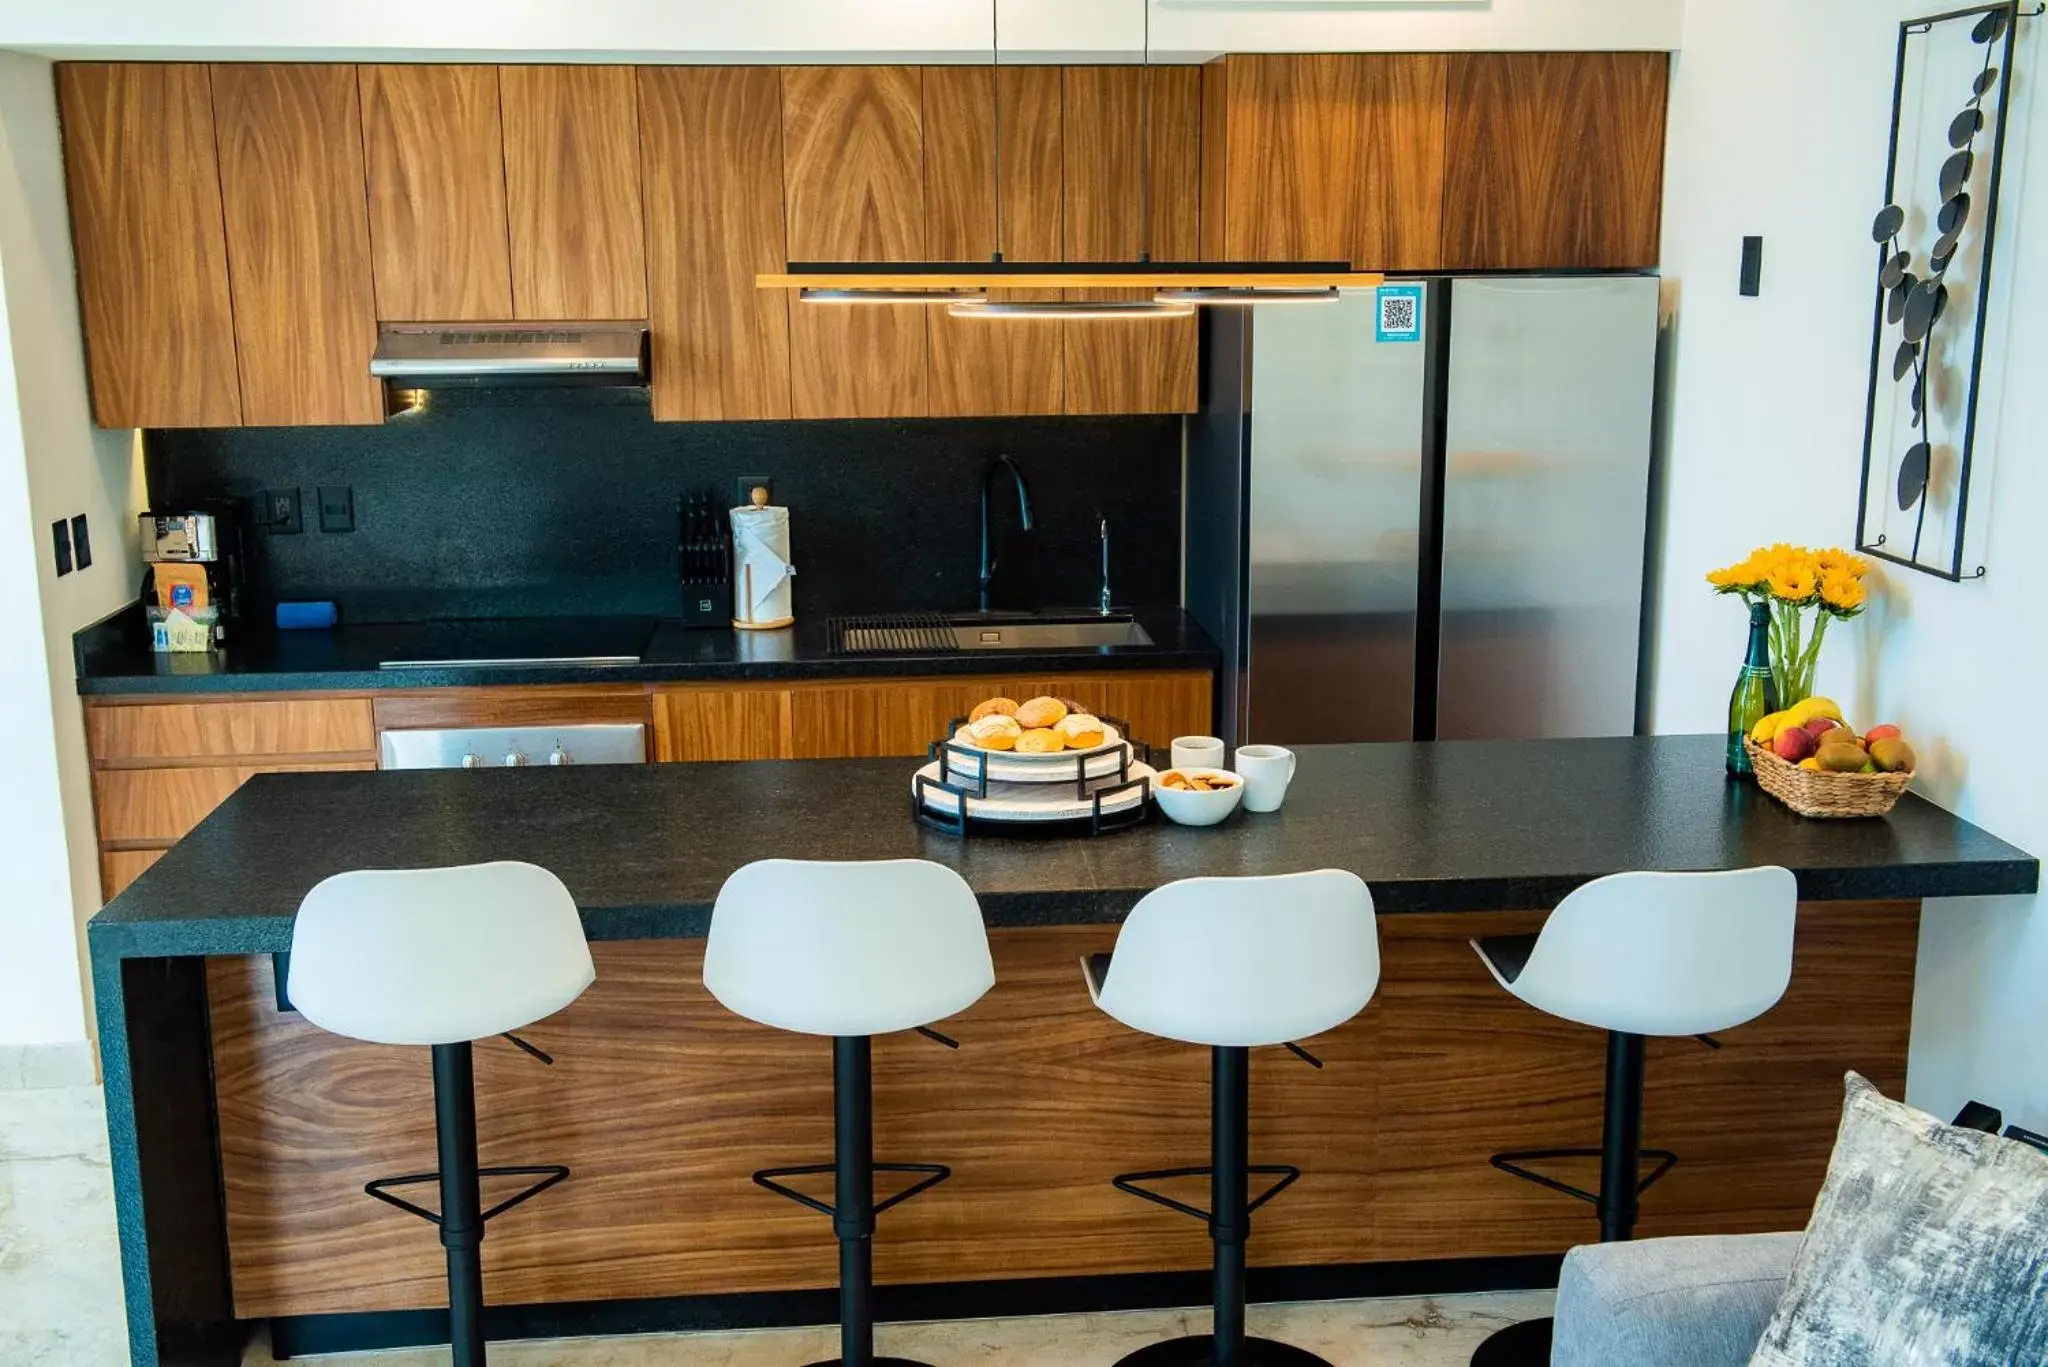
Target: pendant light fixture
<point>1178,286</point>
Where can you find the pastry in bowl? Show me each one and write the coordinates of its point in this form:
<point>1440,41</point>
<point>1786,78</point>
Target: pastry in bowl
<point>1041,740</point>
<point>991,706</point>
<point>1040,712</point>
<point>1080,731</point>
<point>1197,797</point>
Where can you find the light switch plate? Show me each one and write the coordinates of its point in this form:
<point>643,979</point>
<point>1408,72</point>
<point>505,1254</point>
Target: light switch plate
<point>81,542</point>
<point>337,508</point>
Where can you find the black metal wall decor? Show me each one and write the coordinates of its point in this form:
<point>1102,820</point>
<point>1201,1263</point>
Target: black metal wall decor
<point>1935,236</point>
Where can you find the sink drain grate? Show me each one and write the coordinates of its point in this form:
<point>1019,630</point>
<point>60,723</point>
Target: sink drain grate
<point>926,632</point>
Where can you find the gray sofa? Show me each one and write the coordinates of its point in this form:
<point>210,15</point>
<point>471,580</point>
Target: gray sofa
<point>1697,1302</point>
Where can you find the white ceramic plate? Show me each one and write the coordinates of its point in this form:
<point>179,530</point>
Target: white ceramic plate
<point>1031,801</point>
<point>1007,766</point>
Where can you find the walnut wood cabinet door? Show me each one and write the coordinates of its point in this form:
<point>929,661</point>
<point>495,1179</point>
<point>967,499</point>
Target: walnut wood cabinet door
<point>144,184</point>
<point>994,367</point>
<point>1554,159</point>
<point>1139,365</point>
<point>711,167</point>
<point>853,175</point>
<point>572,189</point>
<point>292,190</point>
<point>439,242</point>
<point>1325,157</point>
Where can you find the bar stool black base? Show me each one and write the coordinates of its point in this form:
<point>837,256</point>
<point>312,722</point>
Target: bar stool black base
<point>875,1362</point>
<point>1200,1351</point>
<point>1519,1345</point>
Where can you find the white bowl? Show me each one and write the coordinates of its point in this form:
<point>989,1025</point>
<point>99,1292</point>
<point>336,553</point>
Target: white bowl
<point>1186,807</point>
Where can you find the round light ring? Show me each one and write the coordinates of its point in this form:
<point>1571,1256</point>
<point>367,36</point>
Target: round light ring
<point>1132,309</point>
<point>891,296</point>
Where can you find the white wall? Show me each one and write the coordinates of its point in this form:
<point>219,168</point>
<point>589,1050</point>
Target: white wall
<point>1779,120</point>
<point>820,30</point>
<point>53,464</point>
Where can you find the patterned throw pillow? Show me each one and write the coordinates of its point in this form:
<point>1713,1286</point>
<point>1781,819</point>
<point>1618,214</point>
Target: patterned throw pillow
<point>1929,1245</point>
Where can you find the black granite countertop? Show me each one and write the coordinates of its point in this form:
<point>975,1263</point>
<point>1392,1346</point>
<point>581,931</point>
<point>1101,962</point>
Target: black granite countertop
<point>1458,826</point>
<point>114,657</point>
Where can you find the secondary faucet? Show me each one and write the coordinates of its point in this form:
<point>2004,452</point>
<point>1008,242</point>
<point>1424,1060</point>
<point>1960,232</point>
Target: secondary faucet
<point>988,550</point>
<point>1103,603</point>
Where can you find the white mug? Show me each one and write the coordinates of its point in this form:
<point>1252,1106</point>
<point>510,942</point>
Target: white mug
<point>1197,752</point>
<point>1266,771</point>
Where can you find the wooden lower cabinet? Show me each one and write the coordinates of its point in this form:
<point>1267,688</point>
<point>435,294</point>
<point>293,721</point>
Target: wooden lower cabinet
<point>848,719</point>
<point>662,1103</point>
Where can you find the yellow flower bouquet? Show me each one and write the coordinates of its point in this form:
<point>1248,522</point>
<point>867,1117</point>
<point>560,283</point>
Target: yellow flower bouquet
<point>1793,581</point>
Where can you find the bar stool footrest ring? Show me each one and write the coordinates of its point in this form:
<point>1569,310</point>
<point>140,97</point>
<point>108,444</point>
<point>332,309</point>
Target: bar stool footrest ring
<point>1511,1164</point>
<point>933,1174</point>
<point>548,1173</point>
<point>1200,1351</point>
<point>1128,1182</point>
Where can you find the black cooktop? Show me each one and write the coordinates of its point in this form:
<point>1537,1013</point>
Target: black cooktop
<point>507,641</point>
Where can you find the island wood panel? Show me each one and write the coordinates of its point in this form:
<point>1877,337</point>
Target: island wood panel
<point>144,185</point>
<point>159,806</point>
<point>572,187</point>
<point>711,163</point>
<point>1139,365</point>
<point>853,175</point>
<point>119,868</point>
<point>846,720</point>
<point>1553,159</point>
<point>720,721</point>
<point>983,367</point>
<point>292,187</point>
<point>1328,157</point>
<point>168,733</point>
<point>440,243</point>
<point>662,1103</point>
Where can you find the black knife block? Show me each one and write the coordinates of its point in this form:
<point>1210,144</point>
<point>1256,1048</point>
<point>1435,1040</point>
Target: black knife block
<point>704,560</point>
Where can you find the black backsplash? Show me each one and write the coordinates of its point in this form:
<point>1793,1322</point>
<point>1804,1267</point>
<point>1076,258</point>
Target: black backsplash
<point>544,502</point>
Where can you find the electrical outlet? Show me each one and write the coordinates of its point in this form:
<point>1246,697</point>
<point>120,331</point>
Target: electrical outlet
<point>81,542</point>
<point>743,489</point>
<point>281,511</point>
<point>337,508</point>
<point>60,545</point>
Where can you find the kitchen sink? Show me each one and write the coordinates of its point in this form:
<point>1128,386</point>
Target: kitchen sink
<point>941,633</point>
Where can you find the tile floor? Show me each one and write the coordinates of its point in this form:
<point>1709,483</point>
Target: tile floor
<point>60,1298</point>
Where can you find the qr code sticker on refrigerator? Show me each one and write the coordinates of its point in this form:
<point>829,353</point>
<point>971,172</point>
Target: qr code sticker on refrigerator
<point>1400,317</point>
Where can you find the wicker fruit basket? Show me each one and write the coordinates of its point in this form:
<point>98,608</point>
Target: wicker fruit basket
<point>1825,794</point>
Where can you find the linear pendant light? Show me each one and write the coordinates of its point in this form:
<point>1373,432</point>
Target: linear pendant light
<point>1178,286</point>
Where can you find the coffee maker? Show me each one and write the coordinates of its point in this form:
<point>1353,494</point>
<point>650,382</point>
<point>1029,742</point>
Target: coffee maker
<point>208,535</point>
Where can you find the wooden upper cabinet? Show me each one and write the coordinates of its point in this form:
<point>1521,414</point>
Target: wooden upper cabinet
<point>572,188</point>
<point>292,191</point>
<point>982,367</point>
<point>711,164</point>
<point>1331,157</point>
<point>152,256</point>
<point>853,171</point>
<point>1139,365</point>
<point>1554,159</point>
<point>439,244</point>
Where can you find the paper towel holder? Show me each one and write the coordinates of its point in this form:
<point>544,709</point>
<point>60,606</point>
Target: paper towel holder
<point>743,576</point>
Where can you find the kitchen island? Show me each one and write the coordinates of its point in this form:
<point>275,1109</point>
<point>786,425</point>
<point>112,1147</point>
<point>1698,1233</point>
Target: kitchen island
<point>241,1136</point>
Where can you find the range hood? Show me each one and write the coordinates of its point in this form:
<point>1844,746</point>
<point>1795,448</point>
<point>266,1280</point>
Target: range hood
<point>477,355</point>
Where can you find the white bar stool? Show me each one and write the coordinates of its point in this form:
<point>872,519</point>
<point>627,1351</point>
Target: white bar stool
<point>1639,954</point>
<point>850,950</point>
<point>371,958</point>
<point>1237,964</point>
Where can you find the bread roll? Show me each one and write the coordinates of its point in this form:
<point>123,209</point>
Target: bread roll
<point>1041,740</point>
<point>990,706</point>
<point>996,732</point>
<point>1080,731</point>
<point>1040,712</point>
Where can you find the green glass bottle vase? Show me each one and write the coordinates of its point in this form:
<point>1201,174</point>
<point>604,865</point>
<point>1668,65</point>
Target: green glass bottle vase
<point>1756,691</point>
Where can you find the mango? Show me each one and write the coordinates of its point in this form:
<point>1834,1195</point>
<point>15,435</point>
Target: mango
<point>1878,733</point>
<point>1793,744</point>
<point>1841,759</point>
<point>1892,755</point>
<point>1820,726</point>
<point>1810,765</point>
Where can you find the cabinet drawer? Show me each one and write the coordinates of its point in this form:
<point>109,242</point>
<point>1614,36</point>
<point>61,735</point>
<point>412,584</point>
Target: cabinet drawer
<point>230,730</point>
<point>163,804</point>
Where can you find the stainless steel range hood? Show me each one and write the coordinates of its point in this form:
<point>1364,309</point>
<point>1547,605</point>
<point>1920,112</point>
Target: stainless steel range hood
<point>476,355</point>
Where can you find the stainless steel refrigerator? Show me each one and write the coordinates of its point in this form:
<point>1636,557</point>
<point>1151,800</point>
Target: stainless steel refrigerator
<point>1440,538</point>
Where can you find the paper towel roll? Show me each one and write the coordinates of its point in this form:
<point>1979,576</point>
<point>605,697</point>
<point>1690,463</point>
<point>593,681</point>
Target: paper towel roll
<point>761,572</point>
